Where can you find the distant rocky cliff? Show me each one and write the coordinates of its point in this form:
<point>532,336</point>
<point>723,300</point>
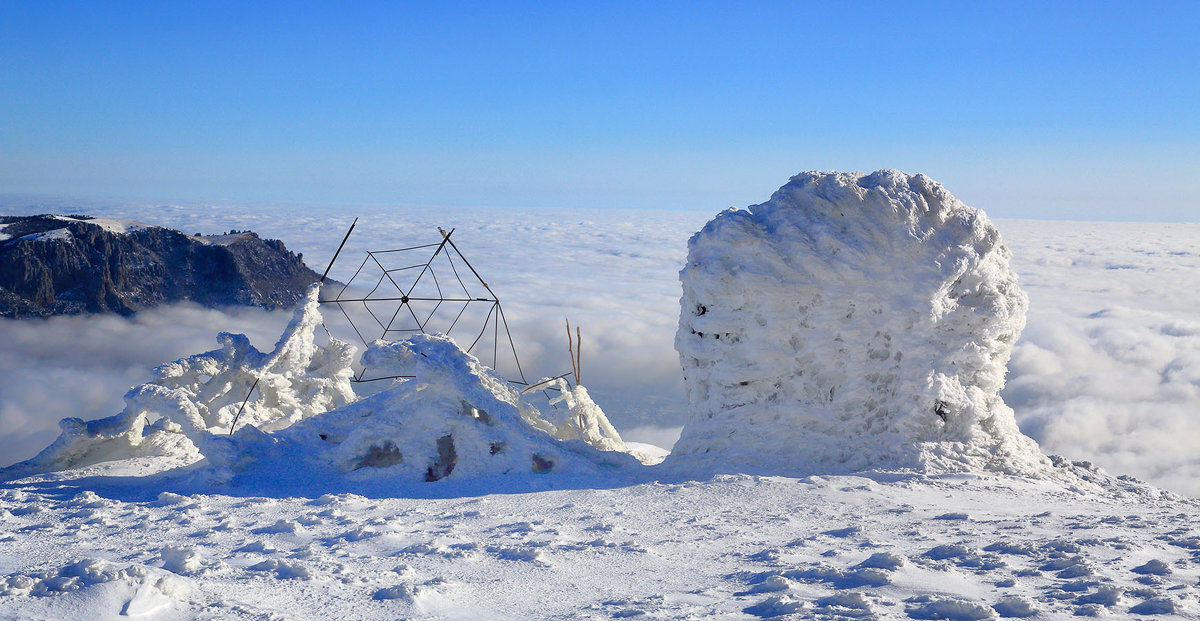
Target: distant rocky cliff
<point>54,265</point>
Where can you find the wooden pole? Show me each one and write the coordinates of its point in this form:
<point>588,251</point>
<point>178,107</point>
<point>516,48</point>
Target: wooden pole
<point>571,353</point>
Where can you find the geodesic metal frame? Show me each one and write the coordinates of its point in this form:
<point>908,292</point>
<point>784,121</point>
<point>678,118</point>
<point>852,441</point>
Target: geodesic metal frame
<point>384,306</point>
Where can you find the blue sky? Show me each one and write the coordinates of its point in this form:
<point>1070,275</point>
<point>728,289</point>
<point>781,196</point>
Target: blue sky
<point>1052,110</point>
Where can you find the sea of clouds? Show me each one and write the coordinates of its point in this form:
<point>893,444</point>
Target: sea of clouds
<point>1108,369</point>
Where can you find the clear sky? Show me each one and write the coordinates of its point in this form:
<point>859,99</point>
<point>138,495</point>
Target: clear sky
<point>1068,110</point>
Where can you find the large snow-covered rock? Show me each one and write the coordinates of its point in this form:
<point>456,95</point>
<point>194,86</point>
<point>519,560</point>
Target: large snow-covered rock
<point>851,322</point>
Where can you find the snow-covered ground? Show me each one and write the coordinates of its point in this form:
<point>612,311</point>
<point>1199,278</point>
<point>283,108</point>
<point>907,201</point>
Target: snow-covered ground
<point>1108,370</point>
<point>97,544</point>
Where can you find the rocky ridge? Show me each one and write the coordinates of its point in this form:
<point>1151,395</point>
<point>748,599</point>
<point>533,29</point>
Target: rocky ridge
<point>62,265</point>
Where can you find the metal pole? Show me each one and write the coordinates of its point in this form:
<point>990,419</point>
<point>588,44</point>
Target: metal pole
<point>339,250</point>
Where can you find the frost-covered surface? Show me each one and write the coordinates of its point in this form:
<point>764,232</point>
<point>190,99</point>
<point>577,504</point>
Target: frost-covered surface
<point>112,225</point>
<point>63,235</point>
<point>581,419</point>
<point>93,542</point>
<point>451,417</point>
<point>195,397</point>
<point>852,321</point>
<point>455,419</point>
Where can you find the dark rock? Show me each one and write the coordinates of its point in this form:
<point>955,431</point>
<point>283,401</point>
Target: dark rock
<point>62,265</point>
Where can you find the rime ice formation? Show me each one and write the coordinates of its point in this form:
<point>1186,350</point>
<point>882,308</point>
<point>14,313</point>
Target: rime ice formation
<point>455,419</point>
<point>851,322</point>
<point>200,395</point>
<point>582,419</point>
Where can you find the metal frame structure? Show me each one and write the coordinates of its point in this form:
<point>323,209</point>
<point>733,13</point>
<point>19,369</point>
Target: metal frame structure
<point>392,266</point>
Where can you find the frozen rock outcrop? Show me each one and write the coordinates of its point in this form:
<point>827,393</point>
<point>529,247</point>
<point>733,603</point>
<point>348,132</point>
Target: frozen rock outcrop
<point>454,419</point>
<point>196,396</point>
<point>851,322</point>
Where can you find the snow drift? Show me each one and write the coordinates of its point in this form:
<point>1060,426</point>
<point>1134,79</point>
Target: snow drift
<point>851,322</point>
<point>200,395</point>
<point>453,417</point>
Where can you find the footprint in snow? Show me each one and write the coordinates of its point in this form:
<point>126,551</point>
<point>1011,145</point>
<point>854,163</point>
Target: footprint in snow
<point>527,555</point>
<point>284,570</point>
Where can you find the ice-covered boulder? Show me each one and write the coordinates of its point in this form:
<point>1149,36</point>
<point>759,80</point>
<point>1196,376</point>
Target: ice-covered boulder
<point>200,395</point>
<point>851,322</point>
<point>454,419</point>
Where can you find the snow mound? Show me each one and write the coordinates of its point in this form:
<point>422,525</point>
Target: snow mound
<point>200,395</point>
<point>451,417</point>
<point>851,322</point>
<point>133,590</point>
<point>455,419</point>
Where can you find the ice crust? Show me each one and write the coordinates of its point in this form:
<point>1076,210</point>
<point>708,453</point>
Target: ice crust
<point>851,322</point>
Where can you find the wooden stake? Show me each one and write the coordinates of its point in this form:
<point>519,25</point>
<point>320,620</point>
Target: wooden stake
<point>571,353</point>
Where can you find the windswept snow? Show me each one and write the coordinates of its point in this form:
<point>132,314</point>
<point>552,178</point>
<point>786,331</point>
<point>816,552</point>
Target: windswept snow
<point>256,418</point>
<point>89,543</point>
<point>194,397</point>
<point>454,419</point>
<point>112,225</point>
<point>851,322</point>
<point>62,234</point>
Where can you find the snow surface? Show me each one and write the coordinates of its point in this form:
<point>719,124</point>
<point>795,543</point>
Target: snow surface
<point>112,225</point>
<point>94,543</point>
<point>198,396</point>
<point>240,415</point>
<point>46,236</point>
<point>288,523</point>
<point>851,322</point>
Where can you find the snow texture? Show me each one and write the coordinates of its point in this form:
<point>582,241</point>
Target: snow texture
<point>451,417</point>
<point>454,419</point>
<point>200,395</point>
<point>851,322</point>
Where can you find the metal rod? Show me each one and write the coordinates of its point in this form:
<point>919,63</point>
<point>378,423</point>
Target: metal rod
<point>377,379</point>
<point>545,381</point>
<point>445,238</point>
<point>431,313</point>
<point>247,399</point>
<point>511,344</point>
<point>351,321</point>
<point>401,269</point>
<point>455,270</point>
<point>472,268</point>
<point>405,249</point>
<point>457,317</point>
<point>485,323</point>
<point>413,299</point>
<point>339,250</point>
